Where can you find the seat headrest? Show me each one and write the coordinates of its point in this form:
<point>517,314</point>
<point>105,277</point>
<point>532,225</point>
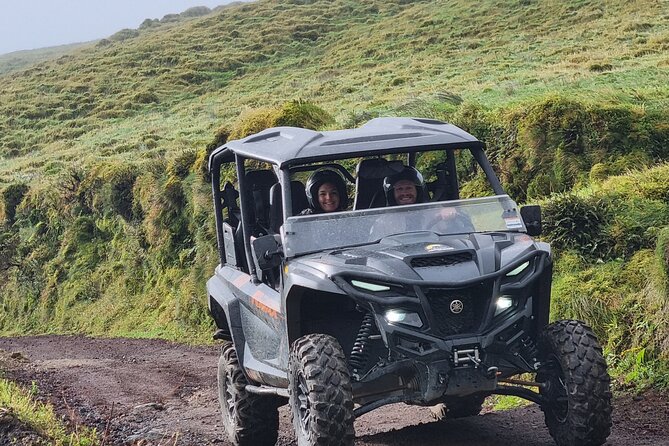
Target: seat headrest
<point>378,168</point>
<point>299,202</point>
<point>261,177</point>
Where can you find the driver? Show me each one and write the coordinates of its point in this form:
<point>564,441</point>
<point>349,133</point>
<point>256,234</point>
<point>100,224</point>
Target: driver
<point>408,187</point>
<point>326,192</point>
<point>405,187</point>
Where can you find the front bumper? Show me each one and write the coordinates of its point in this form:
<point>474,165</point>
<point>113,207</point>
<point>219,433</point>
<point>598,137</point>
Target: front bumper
<point>463,352</point>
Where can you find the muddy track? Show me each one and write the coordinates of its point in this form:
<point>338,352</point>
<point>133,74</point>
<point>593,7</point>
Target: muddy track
<point>151,392</point>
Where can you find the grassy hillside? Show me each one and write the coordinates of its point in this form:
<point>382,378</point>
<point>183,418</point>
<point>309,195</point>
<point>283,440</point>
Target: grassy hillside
<point>107,225</point>
<point>19,60</point>
<point>164,89</point>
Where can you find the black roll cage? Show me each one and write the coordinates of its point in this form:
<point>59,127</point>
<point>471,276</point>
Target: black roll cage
<point>220,157</point>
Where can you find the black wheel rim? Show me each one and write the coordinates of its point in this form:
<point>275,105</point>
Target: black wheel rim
<point>556,389</point>
<point>303,407</point>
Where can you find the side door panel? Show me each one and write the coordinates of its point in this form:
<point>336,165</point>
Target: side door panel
<point>262,328</point>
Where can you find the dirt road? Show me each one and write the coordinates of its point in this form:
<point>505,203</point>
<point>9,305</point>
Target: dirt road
<point>150,392</point>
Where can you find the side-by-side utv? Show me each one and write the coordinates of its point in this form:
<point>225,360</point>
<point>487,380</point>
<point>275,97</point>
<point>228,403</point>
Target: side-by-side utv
<point>439,303</point>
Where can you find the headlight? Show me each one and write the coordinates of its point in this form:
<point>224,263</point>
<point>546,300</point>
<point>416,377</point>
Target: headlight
<point>503,303</point>
<point>373,287</point>
<point>403,317</point>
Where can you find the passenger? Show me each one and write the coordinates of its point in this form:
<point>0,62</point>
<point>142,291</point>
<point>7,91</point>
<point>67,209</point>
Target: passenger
<point>404,187</point>
<point>326,192</point>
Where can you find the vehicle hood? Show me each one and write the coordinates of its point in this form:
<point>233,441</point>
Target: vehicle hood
<point>427,256</point>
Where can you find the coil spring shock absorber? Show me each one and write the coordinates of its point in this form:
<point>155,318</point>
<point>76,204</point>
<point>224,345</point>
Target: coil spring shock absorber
<point>529,351</point>
<point>360,351</point>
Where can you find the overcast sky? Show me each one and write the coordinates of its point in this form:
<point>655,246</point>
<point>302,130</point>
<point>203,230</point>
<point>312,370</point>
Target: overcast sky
<point>29,24</point>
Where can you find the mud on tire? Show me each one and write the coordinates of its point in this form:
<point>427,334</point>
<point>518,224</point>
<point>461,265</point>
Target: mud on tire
<point>578,409</point>
<point>466,406</point>
<point>320,394</point>
<point>249,419</point>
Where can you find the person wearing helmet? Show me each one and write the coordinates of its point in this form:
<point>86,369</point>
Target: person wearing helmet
<point>408,187</point>
<point>405,187</point>
<point>326,192</point>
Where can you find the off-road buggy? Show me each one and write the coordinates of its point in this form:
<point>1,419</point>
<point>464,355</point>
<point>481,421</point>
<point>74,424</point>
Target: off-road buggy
<point>344,312</point>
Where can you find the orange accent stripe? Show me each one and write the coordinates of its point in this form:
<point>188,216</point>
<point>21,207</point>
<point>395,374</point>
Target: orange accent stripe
<point>256,299</point>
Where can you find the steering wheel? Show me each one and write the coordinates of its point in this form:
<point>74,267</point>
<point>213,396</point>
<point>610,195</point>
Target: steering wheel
<point>454,219</point>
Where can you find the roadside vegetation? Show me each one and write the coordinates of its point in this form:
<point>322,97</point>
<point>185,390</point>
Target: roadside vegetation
<point>105,205</point>
<point>25,420</point>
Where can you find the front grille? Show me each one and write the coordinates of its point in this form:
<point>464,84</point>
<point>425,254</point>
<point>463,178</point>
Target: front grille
<point>443,260</point>
<point>474,303</point>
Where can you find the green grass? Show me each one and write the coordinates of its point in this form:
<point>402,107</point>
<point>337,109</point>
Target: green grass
<point>104,203</point>
<point>613,273</point>
<point>505,402</point>
<point>172,85</point>
<point>20,404</point>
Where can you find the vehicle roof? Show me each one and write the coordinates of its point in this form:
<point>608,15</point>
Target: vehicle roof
<point>284,146</point>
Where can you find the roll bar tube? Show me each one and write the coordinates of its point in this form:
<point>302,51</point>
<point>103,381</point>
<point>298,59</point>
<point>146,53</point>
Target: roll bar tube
<point>215,170</point>
<point>246,230</point>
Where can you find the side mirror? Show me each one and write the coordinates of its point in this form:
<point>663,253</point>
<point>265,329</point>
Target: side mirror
<point>532,217</point>
<point>267,251</point>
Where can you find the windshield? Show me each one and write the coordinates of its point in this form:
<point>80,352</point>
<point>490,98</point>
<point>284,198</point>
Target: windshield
<point>312,233</point>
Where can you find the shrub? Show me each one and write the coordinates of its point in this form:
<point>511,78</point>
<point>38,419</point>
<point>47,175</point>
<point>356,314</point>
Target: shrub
<point>476,187</point>
<point>589,295</point>
<point>124,34</point>
<point>12,196</point>
<point>635,223</point>
<point>571,221</point>
<point>551,144</point>
<point>180,164</point>
<point>149,23</point>
<point>556,123</point>
<point>107,188</point>
<point>83,230</point>
<point>599,172</point>
<point>253,121</point>
<point>299,113</point>
<point>196,11</point>
<point>120,185</point>
<point>41,206</point>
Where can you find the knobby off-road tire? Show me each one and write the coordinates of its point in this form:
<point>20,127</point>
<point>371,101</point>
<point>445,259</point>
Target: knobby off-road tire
<point>466,406</point>
<point>578,409</point>
<point>249,419</point>
<point>320,394</point>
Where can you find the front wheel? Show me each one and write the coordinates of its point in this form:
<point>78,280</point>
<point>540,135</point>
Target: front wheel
<point>575,385</point>
<point>249,419</point>
<point>321,399</point>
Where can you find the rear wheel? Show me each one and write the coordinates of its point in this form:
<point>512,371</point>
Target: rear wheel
<point>576,385</point>
<point>466,406</point>
<point>249,419</point>
<point>321,399</point>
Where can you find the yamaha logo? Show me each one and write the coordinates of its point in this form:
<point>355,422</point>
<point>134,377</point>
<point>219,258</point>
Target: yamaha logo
<point>457,306</point>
